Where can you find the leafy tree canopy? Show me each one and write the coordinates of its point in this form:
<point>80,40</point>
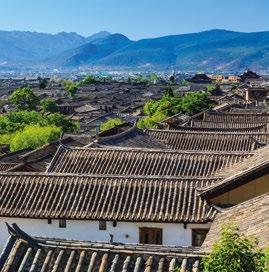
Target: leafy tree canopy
<point>150,122</point>
<point>59,120</point>
<point>88,80</point>
<point>70,87</point>
<point>110,123</point>
<point>141,80</point>
<point>34,136</point>
<point>48,105</point>
<point>169,105</point>
<point>42,83</point>
<point>24,99</point>
<point>211,88</point>
<point>15,121</point>
<point>154,78</point>
<point>193,103</point>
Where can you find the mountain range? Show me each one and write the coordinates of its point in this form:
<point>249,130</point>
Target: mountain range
<point>209,50</point>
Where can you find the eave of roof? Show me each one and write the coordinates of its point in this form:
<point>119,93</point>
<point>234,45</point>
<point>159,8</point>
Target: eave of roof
<point>81,197</point>
<point>240,174</point>
<point>93,256</point>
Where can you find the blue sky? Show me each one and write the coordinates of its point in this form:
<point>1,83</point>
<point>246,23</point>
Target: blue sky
<point>134,18</point>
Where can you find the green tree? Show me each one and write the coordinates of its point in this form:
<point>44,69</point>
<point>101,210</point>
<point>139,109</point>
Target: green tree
<point>172,79</point>
<point>211,88</point>
<point>88,80</point>
<point>42,83</point>
<point>193,103</point>
<point>34,136</point>
<point>24,99</point>
<point>169,91</point>
<point>48,105</point>
<point>154,78</point>
<point>150,122</point>
<point>150,107</point>
<point>110,123</point>
<point>70,87</point>
<point>169,105</point>
<point>59,120</point>
<point>233,253</point>
<point>17,120</point>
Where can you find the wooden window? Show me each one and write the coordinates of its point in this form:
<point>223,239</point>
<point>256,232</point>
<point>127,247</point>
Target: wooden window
<point>152,236</point>
<point>102,225</point>
<point>198,236</point>
<point>62,223</point>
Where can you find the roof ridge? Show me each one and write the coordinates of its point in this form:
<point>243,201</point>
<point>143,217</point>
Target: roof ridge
<point>209,132</point>
<point>118,135</point>
<point>151,150</point>
<point>131,177</point>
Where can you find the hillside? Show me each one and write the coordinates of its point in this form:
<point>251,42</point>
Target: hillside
<point>217,49</point>
<point>208,50</point>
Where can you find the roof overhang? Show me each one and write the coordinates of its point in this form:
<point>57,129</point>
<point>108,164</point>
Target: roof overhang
<point>235,181</point>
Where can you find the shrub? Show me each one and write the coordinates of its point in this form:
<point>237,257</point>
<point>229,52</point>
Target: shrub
<point>34,136</point>
<point>110,123</point>
<point>233,253</point>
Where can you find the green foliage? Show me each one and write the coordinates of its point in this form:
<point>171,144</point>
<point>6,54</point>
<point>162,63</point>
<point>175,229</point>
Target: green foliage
<point>171,80</point>
<point>151,121</point>
<point>211,88</point>
<point>233,253</point>
<point>24,99</point>
<point>110,123</point>
<point>34,136</point>
<point>48,105</point>
<point>5,138</point>
<point>169,105</point>
<point>16,121</point>
<point>154,78</point>
<point>70,87</point>
<point>141,80</point>
<point>150,107</point>
<point>185,83</point>
<point>169,91</point>
<point>265,260</point>
<point>193,103</point>
<point>157,111</point>
<point>42,83</point>
<point>59,120</point>
<point>88,80</point>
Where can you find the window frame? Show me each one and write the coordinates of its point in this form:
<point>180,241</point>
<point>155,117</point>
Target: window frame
<point>196,231</point>
<point>154,235</point>
<point>102,225</point>
<point>62,223</point>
